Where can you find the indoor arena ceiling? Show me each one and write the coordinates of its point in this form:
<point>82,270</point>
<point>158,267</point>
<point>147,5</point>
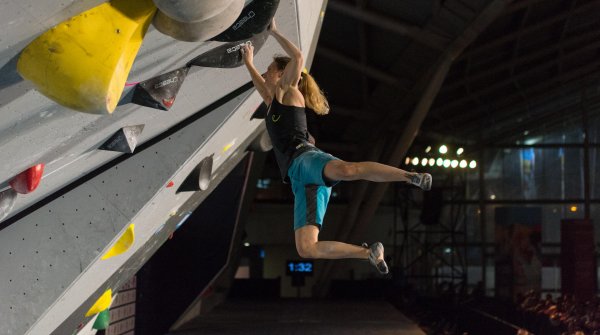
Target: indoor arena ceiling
<point>523,74</point>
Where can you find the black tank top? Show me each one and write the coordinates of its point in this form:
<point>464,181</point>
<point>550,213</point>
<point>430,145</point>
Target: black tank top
<point>288,131</point>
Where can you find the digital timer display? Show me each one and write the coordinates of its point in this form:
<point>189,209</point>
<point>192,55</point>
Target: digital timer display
<point>299,267</point>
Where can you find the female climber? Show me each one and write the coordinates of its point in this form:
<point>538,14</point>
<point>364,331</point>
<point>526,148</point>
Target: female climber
<point>288,91</point>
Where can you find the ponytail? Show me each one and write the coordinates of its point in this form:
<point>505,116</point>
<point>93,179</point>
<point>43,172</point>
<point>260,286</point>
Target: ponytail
<point>314,98</point>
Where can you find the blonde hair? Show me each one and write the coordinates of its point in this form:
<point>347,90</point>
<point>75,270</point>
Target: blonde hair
<point>314,98</point>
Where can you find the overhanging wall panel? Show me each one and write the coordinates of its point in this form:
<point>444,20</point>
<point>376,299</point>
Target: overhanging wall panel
<point>35,129</point>
<point>137,180</point>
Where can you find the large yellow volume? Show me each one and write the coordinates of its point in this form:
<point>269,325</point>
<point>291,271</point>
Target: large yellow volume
<point>83,62</point>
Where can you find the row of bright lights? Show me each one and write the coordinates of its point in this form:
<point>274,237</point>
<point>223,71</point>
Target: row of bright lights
<point>444,149</point>
<point>440,162</point>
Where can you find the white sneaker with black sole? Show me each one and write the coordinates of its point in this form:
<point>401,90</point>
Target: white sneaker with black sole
<point>421,180</point>
<point>376,257</point>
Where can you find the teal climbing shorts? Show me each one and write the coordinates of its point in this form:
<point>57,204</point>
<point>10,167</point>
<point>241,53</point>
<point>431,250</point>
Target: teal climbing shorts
<point>311,189</point>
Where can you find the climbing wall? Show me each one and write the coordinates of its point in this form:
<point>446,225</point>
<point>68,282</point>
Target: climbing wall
<point>97,215</point>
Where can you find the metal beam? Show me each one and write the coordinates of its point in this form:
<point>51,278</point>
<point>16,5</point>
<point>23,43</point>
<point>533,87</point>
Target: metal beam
<point>420,35</point>
<point>559,45</point>
<point>542,24</point>
<point>501,83</point>
<point>538,91</point>
<point>563,33</point>
<point>583,73</point>
<point>519,4</point>
<point>372,72</point>
<point>592,37</point>
<point>470,92</point>
<point>536,121</point>
<point>542,89</point>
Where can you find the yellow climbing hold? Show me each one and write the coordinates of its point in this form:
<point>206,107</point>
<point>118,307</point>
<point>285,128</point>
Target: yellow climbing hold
<point>229,145</point>
<point>83,62</point>
<point>101,304</point>
<point>123,244</point>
